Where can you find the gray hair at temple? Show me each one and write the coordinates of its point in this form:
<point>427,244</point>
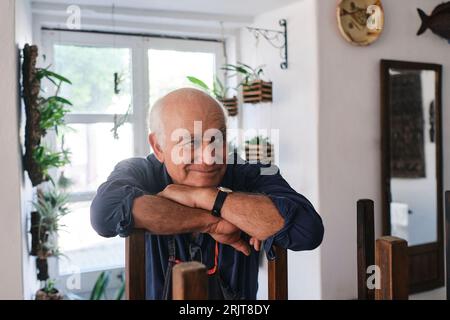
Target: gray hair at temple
<point>154,120</point>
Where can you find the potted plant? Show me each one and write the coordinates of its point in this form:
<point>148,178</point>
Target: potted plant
<point>259,149</point>
<point>254,88</point>
<point>45,220</point>
<point>45,223</point>
<point>220,92</point>
<point>49,292</point>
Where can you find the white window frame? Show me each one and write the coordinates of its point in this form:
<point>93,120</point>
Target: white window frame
<point>139,46</point>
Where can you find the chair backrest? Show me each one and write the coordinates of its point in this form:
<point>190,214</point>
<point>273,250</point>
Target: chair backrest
<point>389,254</point>
<point>135,275</point>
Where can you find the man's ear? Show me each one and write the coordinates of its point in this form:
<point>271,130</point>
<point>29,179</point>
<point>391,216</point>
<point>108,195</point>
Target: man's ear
<point>152,139</point>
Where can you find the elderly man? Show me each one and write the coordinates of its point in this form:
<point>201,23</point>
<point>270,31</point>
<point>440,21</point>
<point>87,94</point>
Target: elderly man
<point>202,209</point>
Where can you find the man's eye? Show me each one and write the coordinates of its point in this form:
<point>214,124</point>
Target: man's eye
<point>187,143</point>
<point>218,140</point>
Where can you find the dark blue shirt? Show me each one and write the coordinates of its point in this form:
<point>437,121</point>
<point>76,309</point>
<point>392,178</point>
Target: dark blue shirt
<point>111,215</point>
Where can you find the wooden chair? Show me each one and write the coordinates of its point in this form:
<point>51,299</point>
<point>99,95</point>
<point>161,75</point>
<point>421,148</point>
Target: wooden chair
<point>187,273</point>
<point>390,254</point>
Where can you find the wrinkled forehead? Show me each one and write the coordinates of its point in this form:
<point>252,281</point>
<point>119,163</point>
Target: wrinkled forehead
<point>193,114</point>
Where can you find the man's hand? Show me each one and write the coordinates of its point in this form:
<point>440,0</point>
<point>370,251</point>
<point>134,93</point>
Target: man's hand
<point>255,243</point>
<point>227,233</point>
<point>197,197</point>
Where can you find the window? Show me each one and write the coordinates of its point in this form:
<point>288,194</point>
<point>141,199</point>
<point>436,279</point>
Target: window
<point>169,69</point>
<point>112,76</point>
<point>98,98</point>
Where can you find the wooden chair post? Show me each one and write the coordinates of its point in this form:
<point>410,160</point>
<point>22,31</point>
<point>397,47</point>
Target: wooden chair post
<point>447,240</point>
<point>391,256</point>
<point>189,281</point>
<point>365,245</point>
<point>278,275</point>
<point>135,275</point>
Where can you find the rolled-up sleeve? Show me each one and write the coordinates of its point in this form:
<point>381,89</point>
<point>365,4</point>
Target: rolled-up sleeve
<point>303,228</point>
<point>111,209</point>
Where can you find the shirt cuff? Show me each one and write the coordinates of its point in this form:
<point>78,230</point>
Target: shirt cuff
<point>287,209</point>
<point>126,223</point>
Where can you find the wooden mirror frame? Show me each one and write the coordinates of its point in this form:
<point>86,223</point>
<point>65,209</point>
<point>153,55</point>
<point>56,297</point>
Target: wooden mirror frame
<point>430,254</point>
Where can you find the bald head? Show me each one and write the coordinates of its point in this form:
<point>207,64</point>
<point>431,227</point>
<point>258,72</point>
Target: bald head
<point>181,107</point>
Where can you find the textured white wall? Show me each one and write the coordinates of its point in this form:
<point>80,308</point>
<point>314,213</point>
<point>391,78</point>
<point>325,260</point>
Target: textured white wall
<point>349,122</point>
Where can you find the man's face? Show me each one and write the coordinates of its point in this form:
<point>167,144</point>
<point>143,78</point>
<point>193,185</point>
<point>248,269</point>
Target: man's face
<point>194,149</point>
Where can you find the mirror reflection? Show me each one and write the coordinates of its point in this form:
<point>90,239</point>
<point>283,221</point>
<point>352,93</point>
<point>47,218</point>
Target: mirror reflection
<point>413,204</point>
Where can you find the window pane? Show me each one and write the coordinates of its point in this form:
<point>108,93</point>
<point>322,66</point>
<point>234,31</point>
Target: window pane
<point>168,70</point>
<point>84,248</point>
<point>95,152</point>
<point>91,71</point>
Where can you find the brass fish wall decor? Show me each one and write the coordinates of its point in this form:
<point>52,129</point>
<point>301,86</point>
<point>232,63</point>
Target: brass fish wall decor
<point>438,22</point>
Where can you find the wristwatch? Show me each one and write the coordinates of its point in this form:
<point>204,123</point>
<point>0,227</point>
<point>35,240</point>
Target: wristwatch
<point>220,199</point>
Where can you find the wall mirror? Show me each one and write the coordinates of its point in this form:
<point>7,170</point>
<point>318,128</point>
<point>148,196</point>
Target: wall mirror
<point>412,166</point>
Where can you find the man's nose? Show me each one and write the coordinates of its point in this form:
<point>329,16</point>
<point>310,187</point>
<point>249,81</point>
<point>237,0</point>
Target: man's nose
<point>206,154</point>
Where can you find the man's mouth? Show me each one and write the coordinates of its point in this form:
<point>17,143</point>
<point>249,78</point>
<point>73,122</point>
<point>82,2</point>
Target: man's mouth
<point>204,171</point>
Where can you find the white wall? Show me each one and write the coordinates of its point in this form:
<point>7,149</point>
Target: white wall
<point>294,111</point>
<point>10,227</point>
<point>24,34</point>
<point>349,121</point>
<point>327,107</point>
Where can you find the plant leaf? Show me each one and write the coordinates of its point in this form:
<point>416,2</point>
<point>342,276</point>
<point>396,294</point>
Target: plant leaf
<point>100,286</point>
<point>50,74</point>
<point>198,82</point>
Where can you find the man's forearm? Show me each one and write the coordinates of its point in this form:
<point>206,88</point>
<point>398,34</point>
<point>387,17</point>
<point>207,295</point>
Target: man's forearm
<point>163,217</point>
<point>254,214</point>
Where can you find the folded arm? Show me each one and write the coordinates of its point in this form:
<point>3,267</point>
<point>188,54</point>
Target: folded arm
<point>273,211</point>
<point>121,205</point>
<point>162,216</point>
<point>255,214</point>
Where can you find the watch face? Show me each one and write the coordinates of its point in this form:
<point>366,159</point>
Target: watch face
<point>225,189</point>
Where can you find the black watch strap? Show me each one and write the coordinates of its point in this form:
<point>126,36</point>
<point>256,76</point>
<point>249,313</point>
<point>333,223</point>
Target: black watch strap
<point>220,199</point>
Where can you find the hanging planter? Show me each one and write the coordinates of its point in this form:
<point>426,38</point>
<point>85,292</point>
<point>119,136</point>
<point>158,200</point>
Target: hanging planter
<point>42,114</point>
<point>31,85</point>
<point>42,269</point>
<point>231,104</point>
<point>259,149</point>
<point>39,235</point>
<point>219,91</point>
<point>257,92</point>
<point>45,222</point>
<point>254,89</point>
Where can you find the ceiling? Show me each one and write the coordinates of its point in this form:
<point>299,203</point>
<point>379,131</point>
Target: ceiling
<point>225,7</point>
